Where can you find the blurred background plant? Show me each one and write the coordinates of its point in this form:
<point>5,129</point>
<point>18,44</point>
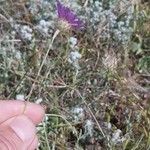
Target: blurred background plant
<point>95,83</point>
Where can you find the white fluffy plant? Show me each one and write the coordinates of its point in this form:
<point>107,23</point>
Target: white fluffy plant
<point>74,56</point>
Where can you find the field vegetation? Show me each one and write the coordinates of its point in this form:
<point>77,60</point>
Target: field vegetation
<point>94,82</point>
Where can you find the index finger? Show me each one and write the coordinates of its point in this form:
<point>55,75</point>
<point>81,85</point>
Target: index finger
<point>11,108</point>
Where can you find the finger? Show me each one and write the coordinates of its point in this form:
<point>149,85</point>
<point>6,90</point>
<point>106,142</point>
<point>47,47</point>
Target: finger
<point>18,133</point>
<point>34,144</point>
<point>34,111</point>
<point>11,108</point>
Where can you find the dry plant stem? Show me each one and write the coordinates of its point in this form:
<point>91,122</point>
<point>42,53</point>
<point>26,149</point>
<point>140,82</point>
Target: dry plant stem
<point>91,114</point>
<point>4,18</point>
<point>39,71</point>
<point>86,3</point>
<point>46,135</point>
<point>67,122</point>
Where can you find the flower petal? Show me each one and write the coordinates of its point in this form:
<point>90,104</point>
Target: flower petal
<point>68,15</point>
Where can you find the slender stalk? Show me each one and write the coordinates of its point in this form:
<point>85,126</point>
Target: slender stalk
<point>39,71</point>
<point>67,122</point>
<point>46,136</point>
<point>92,114</point>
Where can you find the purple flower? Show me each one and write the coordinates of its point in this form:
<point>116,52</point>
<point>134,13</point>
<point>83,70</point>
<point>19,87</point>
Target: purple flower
<point>68,18</point>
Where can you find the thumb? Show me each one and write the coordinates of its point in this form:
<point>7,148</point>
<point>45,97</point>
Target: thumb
<point>18,133</point>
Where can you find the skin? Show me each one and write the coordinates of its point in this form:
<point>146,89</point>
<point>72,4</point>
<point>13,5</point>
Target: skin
<point>18,122</point>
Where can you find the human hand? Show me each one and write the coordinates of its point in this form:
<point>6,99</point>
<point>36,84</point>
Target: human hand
<point>17,125</point>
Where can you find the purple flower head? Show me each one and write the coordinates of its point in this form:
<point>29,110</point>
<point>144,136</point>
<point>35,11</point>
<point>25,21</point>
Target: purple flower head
<point>68,18</point>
